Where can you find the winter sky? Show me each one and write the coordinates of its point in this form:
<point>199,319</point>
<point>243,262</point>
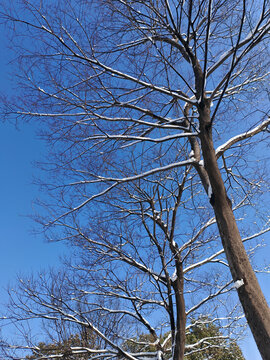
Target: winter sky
<point>22,251</point>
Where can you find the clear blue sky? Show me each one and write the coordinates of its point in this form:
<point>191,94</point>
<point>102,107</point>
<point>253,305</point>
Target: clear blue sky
<point>22,252</point>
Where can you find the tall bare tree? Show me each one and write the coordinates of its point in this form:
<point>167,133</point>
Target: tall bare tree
<point>139,92</point>
<point>127,277</point>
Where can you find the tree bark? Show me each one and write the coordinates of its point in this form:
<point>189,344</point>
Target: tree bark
<point>254,304</point>
<point>180,335</point>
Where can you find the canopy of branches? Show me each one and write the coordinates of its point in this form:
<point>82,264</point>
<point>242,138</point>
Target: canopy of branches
<point>155,114</point>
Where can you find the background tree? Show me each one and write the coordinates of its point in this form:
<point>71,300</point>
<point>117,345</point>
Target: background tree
<point>71,348</point>
<point>209,340</point>
<point>128,109</point>
<point>211,344</point>
<point>207,337</point>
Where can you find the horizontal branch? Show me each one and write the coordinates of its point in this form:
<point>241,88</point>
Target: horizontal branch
<point>118,181</point>
<point>139,138</point>
<point>221,251</point>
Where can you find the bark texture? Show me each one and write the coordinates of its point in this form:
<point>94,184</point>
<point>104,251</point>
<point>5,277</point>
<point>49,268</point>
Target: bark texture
<point>180,336</point>
<point>255,307</point>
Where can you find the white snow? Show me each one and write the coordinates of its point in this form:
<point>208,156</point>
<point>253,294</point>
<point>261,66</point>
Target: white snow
<point>209,191</point>
<point>159,355</point>
<point>201,163</point>
<point>44,28</point>
<point>238,283</point>
<point>191,154</point>
<point>220,150</point>
<point>174,276</point>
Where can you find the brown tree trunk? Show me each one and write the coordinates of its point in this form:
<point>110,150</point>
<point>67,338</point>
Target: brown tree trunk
<point>180,335</point>
<point>255,307</point>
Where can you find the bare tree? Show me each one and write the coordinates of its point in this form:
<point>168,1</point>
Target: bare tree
<point>140,96</point>
<point>128,278</point>
<point>135,269</point>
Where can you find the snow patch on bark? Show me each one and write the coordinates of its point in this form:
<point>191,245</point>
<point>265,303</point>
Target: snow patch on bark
<point>174,276</point>
<point>209,191</point>
<point>238,283</point>
<point>191,154</point>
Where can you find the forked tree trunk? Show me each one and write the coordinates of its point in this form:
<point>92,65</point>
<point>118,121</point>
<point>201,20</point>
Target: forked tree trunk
<point>255,307</point>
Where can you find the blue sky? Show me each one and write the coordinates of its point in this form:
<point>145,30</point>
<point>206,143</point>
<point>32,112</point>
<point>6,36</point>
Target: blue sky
<point>21,251</point>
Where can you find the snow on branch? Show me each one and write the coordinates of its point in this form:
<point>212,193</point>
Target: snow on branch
<point>125,76</point>
<point>117,181</point>
<point>139,138</point>
<point>221,149</point>
<point>221,290</point>
<point>263,29</point>
<point>221,251</point>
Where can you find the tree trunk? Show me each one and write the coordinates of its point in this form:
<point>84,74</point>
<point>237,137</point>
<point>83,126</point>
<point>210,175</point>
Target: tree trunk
<point>180,335</point>
<point>250,294</point>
